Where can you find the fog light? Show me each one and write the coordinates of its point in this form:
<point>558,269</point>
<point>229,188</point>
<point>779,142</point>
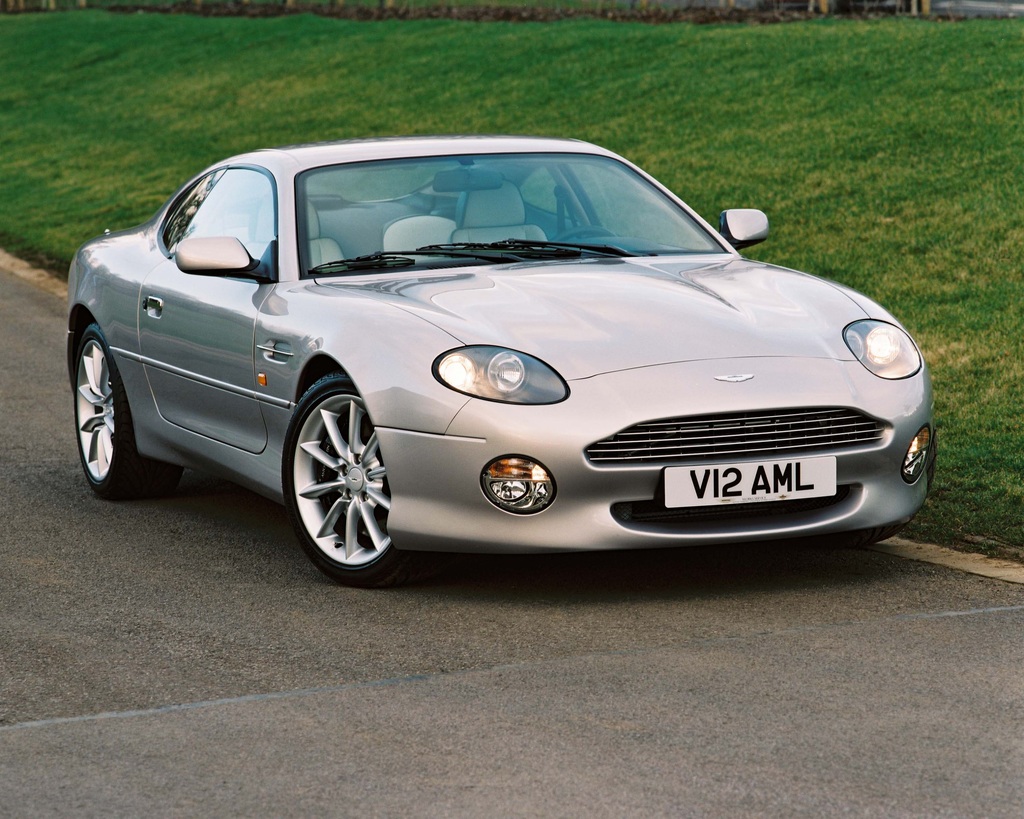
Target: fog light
<point>917,455</point>
<point>518,485</point>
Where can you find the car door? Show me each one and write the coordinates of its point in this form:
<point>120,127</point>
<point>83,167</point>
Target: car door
<point>196,331</point>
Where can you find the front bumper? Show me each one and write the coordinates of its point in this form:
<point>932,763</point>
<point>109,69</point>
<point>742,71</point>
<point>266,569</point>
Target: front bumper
<point>438,503</point>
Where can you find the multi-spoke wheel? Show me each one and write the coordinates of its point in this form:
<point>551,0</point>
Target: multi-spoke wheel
<point>94,410</point>
<point>336,488</point>
<point>106,438</point>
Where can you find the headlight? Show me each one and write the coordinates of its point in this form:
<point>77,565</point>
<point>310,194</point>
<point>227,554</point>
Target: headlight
<point>883,348</point>
<point>498,374</point>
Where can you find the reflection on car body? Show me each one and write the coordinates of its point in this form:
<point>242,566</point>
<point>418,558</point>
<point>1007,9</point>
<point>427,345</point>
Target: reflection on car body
<point>505,344</point>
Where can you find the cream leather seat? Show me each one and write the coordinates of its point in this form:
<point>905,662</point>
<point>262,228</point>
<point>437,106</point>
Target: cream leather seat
<point>321,248</point>
<point>417,231</point>
<point>494,215</point>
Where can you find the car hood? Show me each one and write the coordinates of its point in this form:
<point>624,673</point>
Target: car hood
<point>589,317</point>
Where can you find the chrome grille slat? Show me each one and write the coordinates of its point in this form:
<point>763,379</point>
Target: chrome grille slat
<point>766,418</point>
<point>744,431</point>
<point>741,435</point>
<point>749,434</point>
<point>782,413</point>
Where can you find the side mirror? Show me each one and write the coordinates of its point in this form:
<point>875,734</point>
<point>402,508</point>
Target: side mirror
<point>218,254</point>
<point>743,227</point>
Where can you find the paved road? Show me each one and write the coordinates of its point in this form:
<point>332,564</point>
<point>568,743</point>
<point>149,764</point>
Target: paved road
<point>179,657</point>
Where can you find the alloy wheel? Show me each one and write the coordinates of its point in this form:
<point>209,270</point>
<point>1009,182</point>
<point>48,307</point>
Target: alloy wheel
<point>94,410</point>
<point>341,490</point>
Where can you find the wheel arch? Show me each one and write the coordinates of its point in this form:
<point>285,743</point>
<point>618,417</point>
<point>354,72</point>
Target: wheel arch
<point>315,369</point>
<point>78,320</point>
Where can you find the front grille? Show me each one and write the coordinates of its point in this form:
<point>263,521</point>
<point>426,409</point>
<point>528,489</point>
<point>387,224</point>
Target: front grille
<point>737,434</point>
<point>655,511</point>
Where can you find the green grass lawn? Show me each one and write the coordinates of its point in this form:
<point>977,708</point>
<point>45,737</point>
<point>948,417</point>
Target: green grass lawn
<point>889,155</point>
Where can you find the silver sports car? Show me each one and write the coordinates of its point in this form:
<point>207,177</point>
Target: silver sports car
<point>469,344</point>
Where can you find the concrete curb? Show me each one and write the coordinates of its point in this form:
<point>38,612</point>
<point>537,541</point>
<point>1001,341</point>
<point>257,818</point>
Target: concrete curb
<point>1005,570</point>
<point>40,278</point>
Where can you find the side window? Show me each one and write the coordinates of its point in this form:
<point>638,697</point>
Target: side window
<point>181,215</point>
<point>236,202</point>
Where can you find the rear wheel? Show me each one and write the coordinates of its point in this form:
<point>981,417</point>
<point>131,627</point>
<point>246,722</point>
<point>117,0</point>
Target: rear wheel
<point>106,436</point>
<point>337,492</point>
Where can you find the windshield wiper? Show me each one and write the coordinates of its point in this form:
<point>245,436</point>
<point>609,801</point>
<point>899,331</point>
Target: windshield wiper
<point>507,250</point>
<point>403,258</point>
<point>371,261</point>
<point>527,248</point>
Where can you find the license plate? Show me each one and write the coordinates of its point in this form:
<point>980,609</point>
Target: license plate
<point>754,482</point>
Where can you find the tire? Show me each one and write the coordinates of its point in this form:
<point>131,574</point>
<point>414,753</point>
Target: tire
<point>106,436</point>
<point>336,490</point>
<point>867,537</point>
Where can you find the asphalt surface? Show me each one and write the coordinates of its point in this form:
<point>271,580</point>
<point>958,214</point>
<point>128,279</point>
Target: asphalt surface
<point>180,657</point>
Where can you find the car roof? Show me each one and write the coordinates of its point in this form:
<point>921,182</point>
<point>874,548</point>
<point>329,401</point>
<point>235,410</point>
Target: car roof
<point>314,155</point>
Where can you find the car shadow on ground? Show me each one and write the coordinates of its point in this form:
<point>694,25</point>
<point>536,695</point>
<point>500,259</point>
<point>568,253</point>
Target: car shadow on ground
<point>672,573</point>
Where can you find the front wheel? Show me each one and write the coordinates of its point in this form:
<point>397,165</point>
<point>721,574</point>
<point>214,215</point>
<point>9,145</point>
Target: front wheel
<point>336,489</point>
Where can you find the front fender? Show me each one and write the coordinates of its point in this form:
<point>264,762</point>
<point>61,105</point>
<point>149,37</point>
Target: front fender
<point>385,351</point>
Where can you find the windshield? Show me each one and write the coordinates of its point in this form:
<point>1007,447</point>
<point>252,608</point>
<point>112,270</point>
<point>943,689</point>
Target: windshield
<point>485,208</point>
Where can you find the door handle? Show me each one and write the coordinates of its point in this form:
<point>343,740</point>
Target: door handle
<point>153,306</point>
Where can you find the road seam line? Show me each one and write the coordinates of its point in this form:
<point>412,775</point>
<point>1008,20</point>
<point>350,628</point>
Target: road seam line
<point>417,678</point>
